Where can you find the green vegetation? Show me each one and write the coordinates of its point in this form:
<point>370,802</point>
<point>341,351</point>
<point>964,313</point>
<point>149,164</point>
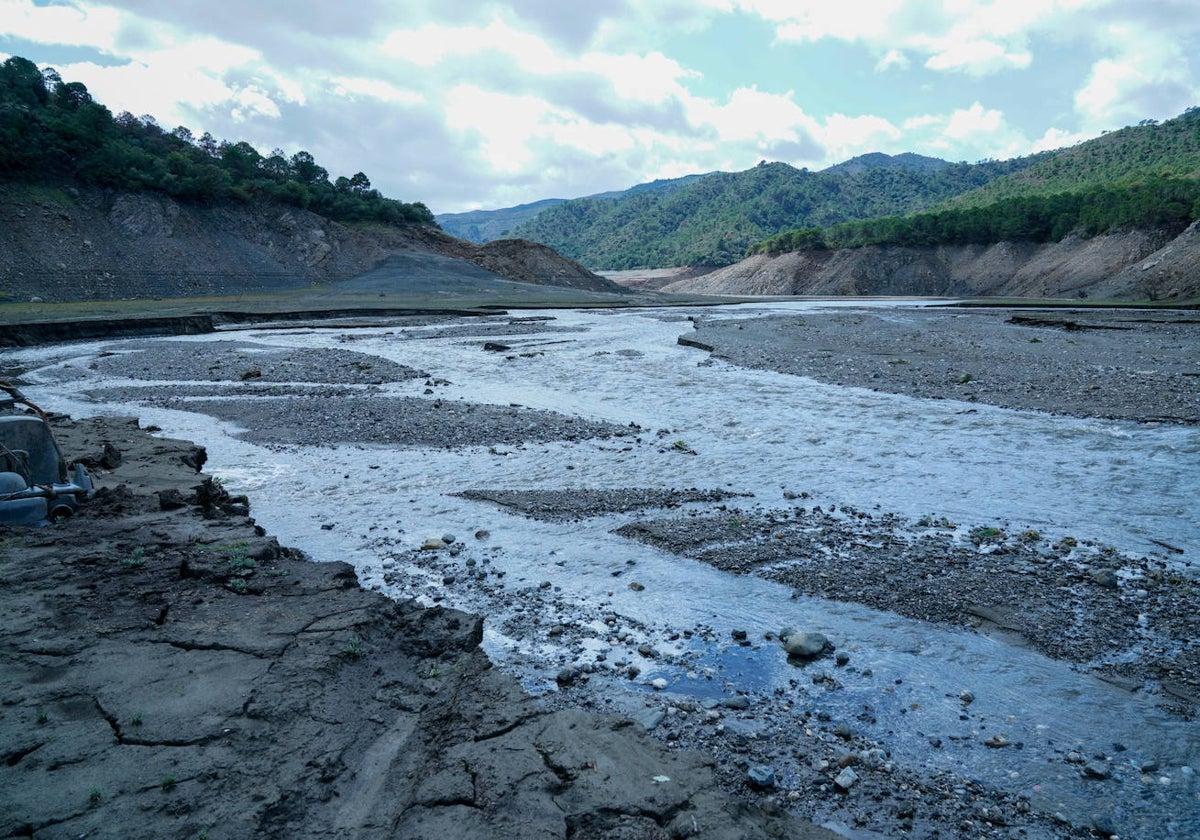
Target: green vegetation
<point>1157,202</point>
<point>53,131</point>
<point>714,219</point>
<point>1145,177</point>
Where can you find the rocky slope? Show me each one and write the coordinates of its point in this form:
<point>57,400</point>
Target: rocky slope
<point>75,244</point>
<point>1132,265</point>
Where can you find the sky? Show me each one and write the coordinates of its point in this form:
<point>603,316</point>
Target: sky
<point>475,104</point>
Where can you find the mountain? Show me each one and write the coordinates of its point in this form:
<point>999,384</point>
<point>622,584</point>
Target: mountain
<point>713,219</point>
<point>878,160</point>
<point>1116,217</point>
<point>486,225</point>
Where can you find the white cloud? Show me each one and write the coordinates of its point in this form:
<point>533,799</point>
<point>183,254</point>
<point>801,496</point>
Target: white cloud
<point>1056,138</point>
<point>431,44</point>
<point>979,58</point>
<point>752,115</point>
<point>1147,76</point>
<point>844,137</point>
<point>893,58</point>
<point>93,26</point>
<point>652,78</point>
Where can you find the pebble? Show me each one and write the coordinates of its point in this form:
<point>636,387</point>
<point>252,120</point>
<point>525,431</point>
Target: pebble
<point>1096,770</point>
<point>658,684</point>
<point>433,544</point>
<point>761,777</point>
<point>846,779</point>
<point>805,645</point>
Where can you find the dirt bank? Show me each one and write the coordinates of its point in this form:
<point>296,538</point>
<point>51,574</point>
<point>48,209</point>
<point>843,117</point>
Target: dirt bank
<point>75,243</point>
<point>1133,265</point>
<point>167,670</point>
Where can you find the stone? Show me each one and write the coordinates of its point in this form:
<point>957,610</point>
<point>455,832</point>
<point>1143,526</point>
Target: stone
<point>1096,770</point>
<point>658,684</point>
<point>846,779</point>
<point>805,645</point>
<point>738,701</point>
<point>448,539</point>
<point>650,718</point>
<point>760,777</point>
<point>1106,578</point>
<point>433,544</point>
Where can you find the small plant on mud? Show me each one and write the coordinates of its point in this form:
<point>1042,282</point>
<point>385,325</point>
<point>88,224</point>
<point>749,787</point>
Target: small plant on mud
<point>42,717</point>
<point>95,795</point>
<point>985,533</point>
<point>1066,544</point>
<point>136,720</point>
<point>238,585</point>
<point>936,522</point>
<point>1030,535</point>
<point>168,782</point>
<point>964,379</point>
<point>433,673</point>
<point>355,648</point>
<point>136,559</point>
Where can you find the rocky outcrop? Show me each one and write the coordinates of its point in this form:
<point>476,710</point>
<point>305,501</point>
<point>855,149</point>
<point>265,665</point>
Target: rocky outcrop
<point>1132,265</point>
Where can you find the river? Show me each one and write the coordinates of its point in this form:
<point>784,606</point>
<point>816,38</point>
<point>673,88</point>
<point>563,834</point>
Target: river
<point>754,432</point>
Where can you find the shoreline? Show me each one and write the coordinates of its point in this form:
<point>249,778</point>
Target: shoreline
<point>170,670</point>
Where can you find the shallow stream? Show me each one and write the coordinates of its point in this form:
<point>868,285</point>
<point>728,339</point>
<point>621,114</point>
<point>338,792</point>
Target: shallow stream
<point>758,433</point>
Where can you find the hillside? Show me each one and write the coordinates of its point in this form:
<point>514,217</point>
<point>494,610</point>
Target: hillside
<point>1130,155</point>
<point>714,219</point>
<point>97,207</point>
<point>485,225</point>
<point>92,244</point>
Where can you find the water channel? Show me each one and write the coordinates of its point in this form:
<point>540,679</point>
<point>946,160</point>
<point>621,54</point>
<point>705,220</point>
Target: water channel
<point>758,433</point>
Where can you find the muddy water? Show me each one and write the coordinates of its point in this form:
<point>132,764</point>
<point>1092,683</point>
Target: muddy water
<point>759,433</point>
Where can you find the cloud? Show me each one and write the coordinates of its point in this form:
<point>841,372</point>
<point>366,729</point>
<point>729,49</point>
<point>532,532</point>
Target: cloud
<point>1144,77</point>
<point>69,25</point>
<point>972,133</point>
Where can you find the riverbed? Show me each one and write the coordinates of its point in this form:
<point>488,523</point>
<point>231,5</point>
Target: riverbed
<point>638,520</point>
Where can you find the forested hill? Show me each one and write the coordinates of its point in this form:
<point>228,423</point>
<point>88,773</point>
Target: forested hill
<point>53,132</point>
<point>714,219</point>
<point>1135,154</point>
<point>1145,177</point>
<point>486,225</point>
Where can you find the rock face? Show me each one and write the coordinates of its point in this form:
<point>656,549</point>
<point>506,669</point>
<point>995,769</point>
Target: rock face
<point>1132,265</point>
<point>90,244</point>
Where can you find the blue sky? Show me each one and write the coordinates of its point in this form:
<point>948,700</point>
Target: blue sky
<point>468,104</point>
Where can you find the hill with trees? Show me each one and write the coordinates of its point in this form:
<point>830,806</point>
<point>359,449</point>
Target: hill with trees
<point>1144,177</point>
<point>713,220</point>
<point>53,131</point>
<point>102,207</point>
